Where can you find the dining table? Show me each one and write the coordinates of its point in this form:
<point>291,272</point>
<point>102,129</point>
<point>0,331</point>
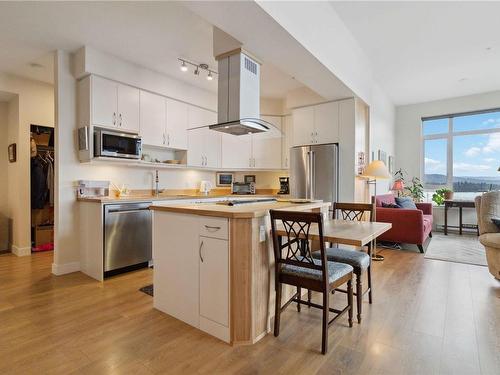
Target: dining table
<point>346,232</point>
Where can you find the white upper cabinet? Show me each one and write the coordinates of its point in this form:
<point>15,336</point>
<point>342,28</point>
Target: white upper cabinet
<point>236,151</point>
<point>152,119</point>
<point>128,108</point>
<point>177,124</point>
<point>303,126</point>
<point>266,149</point>
<point>326,122</point>
<point>286,141</point>
<point>203,148</point>
<point>104,102</point>
<point>200,117</point>
<point>115,105</point>
<point>316,124</point>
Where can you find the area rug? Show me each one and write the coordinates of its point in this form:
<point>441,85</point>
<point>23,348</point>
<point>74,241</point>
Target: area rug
<point>148,289</point>
<point>455,248</point>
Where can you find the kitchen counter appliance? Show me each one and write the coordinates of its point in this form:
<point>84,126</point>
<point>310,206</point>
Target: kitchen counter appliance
<point>117,145</point>
<point>242,188</point>
<point>127,237</point>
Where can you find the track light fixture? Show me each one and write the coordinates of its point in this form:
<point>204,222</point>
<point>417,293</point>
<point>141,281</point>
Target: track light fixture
<point>197,67</point>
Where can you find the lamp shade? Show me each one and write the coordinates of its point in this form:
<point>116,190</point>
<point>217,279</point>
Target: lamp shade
<point>377,170</point>
<point>398,185</point>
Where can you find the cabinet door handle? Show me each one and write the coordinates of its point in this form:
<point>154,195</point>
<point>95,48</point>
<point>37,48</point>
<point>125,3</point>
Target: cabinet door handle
<point>114,118</point>
<point>168,139</point>
<point>199,251</point>
<point>120,117</point>
<point>163,138</point>
<point>209,227</point>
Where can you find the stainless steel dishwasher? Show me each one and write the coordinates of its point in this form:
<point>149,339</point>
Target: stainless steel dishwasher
<point>127,237</point>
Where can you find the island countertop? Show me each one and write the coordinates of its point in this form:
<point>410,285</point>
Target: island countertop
<point>241,211</point>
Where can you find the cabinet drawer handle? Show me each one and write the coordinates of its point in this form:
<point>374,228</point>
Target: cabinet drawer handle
<point>208,227</point>
<point>199,251</point>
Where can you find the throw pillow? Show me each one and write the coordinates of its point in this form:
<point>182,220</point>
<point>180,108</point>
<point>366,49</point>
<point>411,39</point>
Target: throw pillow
<point>406,202</point>
<point>389,205</point>
<point>496,221</point>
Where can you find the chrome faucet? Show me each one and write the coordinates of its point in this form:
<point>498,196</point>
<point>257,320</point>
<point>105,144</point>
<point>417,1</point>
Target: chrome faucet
<point>157,182</point>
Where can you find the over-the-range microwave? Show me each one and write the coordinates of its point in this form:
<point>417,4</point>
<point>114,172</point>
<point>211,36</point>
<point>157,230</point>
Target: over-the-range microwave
<point>117,144</point>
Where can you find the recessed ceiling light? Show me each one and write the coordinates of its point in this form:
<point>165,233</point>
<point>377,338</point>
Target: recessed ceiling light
<point>36,65</point>
<point>462,79</point>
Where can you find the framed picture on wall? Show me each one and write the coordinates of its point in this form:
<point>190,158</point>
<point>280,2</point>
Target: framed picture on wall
<point>390,164</point>
<point>12,152</point>
<point>382,155</point>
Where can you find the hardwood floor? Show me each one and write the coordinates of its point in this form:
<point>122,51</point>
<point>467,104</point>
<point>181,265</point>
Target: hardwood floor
<point>428,317</point>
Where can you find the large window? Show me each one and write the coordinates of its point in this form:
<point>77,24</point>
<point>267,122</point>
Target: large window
<point>462,152</point>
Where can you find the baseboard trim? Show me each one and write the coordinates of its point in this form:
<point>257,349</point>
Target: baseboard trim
<point>21,251</point>
<point>63,269</point>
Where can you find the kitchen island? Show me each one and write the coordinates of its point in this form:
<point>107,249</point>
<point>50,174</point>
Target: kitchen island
<point>214,265</point>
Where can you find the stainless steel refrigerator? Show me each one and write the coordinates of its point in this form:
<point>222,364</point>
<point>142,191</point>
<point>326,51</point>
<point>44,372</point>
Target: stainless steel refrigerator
<point>314,172</point>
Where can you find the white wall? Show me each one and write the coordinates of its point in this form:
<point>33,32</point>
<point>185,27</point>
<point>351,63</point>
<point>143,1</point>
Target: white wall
<point>33,104</point>
<point>408,124</point>
<point>4,161</point>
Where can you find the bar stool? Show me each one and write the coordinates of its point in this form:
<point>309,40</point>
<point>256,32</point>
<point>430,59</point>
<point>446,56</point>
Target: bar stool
<point>294,265</point>
<point>359,260</point>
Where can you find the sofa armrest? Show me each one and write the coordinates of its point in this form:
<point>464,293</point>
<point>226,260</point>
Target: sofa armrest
<point>426,208</point>
<point>407,224</point>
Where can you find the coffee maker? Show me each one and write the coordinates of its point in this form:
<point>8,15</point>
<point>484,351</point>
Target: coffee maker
<point>284,185</point>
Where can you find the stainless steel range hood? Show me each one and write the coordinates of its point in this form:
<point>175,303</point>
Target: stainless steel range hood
<point>239,95</point>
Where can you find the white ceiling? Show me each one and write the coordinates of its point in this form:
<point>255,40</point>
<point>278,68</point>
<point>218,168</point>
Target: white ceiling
<point>422,51</point>
<point>153,35</point>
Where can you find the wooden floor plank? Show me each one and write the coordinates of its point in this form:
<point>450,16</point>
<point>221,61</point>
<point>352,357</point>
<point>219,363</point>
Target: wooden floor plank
<point>428,317</point>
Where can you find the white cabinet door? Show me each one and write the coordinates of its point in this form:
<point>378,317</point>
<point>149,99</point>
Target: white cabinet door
<point>200,117</point>
<point>212,148</point>
<point>195,153</point>
<point>104,102</point>
<point>177,124</point>
<point>236,151</point>
<point>214,280</point>
<point>152,119</point>
<point>266,149</point>
<point>286,142</point>
<point>176,258</point>
<point>128,108</point>
<point>303,126</point>
<point>326,122</point>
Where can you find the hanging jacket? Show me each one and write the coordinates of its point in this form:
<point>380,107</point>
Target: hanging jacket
<point>39,188</point>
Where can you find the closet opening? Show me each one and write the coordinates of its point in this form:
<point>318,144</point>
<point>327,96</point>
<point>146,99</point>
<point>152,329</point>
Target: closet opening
<point>42,188</point>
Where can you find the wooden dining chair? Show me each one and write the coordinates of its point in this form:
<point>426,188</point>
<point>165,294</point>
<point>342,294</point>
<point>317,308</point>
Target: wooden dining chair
<point>359,260</point>
<point>294,265</point>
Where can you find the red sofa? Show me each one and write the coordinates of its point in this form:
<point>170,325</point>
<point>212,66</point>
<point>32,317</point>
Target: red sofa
<point>408,226</point>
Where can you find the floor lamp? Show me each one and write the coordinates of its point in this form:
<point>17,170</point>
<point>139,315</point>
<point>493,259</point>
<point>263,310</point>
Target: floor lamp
<point>376,170</point>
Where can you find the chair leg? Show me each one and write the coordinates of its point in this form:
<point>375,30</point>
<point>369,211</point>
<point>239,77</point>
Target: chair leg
<point>370,298</point>
<point>324,333</point>
<point>299,296</point>
<point>349,300</point>
<point>359,296</point>
<point>421,248</point>
<point>277,311</point>
<point>309,296</point>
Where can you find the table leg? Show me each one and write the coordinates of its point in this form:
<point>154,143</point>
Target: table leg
<point>445,219</point>
<point>460,220</point>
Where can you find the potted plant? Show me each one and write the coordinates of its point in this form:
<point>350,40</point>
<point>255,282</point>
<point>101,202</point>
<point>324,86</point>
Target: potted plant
<point>441,195</point>
<point>416,190</point>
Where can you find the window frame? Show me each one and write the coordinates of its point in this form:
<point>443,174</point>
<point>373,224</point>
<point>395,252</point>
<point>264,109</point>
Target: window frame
<point>449,137</point>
